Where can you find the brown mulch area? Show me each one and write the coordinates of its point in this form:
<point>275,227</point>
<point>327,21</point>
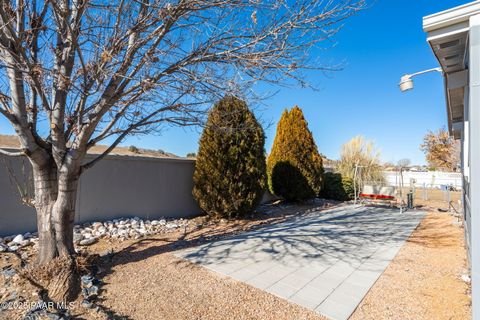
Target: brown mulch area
<point>423,281</point>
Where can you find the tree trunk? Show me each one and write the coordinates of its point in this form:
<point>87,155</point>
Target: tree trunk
<point>63,212</point>
<point>46,190</point>
<point>55,199</point>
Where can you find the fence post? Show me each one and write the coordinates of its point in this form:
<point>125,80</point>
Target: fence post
<point>448,199</point>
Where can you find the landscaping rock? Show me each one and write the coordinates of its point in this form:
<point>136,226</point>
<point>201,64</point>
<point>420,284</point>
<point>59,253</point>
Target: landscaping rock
<point>54,316</point>
<point>171,226</point>
<point>18,239</point>
<point>87,242</point>
<point>87,281</point>
<point>39,312</point>
<point>92,291</point>
<point>97,225</point>
<point>77,237</point>
<point>87,304</point>
<point>88,233</point>
<point>8,273</point>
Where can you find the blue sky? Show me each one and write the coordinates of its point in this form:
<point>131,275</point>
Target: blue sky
<point>377,46</point>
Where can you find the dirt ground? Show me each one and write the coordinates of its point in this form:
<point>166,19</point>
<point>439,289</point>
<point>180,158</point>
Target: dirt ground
<point>141,279</point>
<point>423,281</point>
<point>161,286</point>
<point>435,199</point>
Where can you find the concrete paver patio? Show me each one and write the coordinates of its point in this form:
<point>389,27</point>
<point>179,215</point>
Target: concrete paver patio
<point>325,261</point>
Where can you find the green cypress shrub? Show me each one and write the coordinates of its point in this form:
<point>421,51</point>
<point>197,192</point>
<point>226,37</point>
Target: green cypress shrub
<point>294,166</point>
<point>337,187</point>
<point>230,171</point>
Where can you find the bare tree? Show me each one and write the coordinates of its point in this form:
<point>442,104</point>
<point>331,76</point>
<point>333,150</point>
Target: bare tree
<point>77,72</point>
<point>441,150</point>
<point>403,163</point>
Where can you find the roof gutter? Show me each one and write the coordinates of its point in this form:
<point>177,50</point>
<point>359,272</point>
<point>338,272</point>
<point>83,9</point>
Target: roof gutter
<point>450,17</point>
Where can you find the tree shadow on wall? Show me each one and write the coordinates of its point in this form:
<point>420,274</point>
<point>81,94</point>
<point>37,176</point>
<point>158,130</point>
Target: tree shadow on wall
<point>290,183</point>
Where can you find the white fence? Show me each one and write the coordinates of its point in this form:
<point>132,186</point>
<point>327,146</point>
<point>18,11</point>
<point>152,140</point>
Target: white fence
<point>430,179</point>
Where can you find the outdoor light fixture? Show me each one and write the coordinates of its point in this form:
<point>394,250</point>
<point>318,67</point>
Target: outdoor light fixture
<point>406,82</point>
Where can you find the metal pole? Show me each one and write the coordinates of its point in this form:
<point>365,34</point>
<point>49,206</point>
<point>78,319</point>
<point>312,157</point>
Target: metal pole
<point>401,190</point>
<point>448,198</point>
<point>355,184</point>
<point>425,71</point>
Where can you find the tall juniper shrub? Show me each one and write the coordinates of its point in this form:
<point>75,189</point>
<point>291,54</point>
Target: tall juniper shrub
<point>230,170</point>
<point>294,166</point>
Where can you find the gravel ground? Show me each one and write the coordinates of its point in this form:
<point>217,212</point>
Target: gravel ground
<point>423,281</point>
<point>143,280</point>
<point>161,286</point>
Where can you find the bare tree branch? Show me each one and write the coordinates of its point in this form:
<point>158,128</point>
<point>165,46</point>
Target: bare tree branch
<point>118,64</point>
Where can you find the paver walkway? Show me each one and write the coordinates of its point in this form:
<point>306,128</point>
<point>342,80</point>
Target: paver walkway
<point>325,261</point>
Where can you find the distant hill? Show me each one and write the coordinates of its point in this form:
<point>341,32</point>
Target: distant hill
<point>7,141</point>
<point>329,163</point>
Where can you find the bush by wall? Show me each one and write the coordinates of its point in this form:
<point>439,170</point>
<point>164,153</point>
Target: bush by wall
<point>294,166</point>
<point>230,173</point>
<point>337,187</point>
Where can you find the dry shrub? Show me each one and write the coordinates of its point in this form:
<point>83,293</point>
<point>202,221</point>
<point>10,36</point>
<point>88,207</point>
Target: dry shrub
<point>363,154</point>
